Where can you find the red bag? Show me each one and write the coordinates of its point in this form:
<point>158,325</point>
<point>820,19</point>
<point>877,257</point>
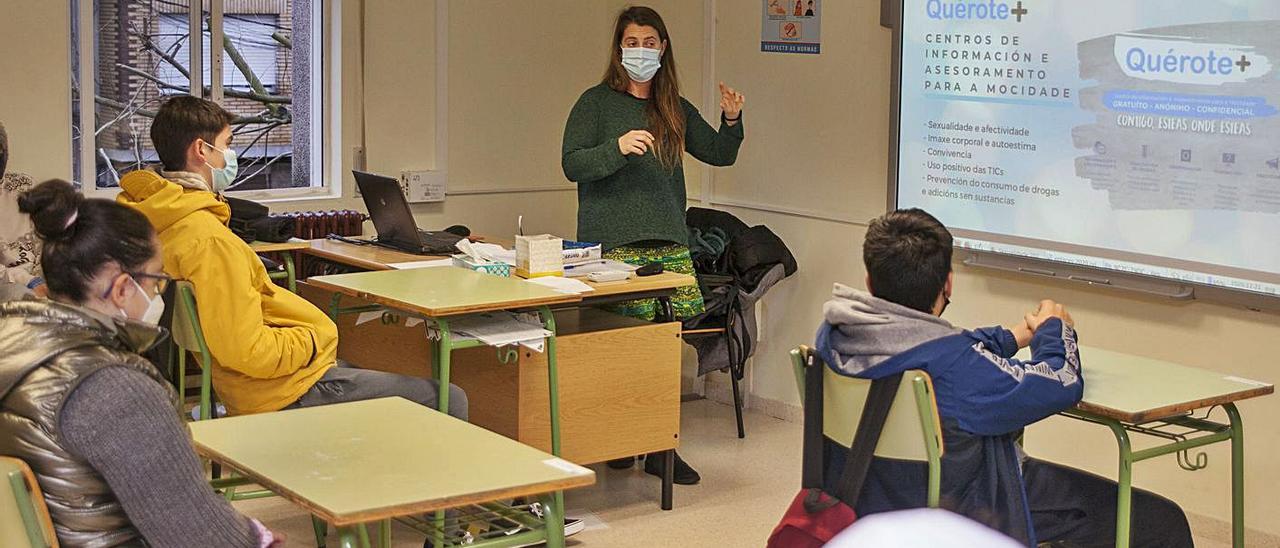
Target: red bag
<point>815,517</point>
<point>801,528</point>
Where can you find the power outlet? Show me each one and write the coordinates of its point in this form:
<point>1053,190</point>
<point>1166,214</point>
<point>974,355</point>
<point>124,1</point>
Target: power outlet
<point>423,186</point>
<point>358,163</point>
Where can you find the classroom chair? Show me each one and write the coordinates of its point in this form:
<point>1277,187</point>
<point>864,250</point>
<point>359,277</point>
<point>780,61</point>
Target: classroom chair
<point>24,518</point>
<point>189,338</point>
<point>912,431</point>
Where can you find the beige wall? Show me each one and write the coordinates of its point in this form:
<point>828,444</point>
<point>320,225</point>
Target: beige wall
<point>35,91</point>
<point>817,142</point>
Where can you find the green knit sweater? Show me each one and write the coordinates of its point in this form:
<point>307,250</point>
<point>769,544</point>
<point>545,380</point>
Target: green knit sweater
<point>628,199</point>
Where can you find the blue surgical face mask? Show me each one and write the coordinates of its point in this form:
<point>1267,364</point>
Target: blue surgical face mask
<point>641,63</point>
<point>222,177</point>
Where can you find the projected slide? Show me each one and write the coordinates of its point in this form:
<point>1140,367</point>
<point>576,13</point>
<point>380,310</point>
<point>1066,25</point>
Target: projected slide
<point>1137,135</point>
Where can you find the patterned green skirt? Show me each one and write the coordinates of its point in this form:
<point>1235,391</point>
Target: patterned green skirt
<point>686,303</point>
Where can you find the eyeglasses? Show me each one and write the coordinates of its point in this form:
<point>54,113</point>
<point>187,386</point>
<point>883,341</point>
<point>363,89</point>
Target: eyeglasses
<point>162,281</point>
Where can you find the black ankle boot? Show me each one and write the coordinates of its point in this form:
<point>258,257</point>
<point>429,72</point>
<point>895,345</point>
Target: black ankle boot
<point>684,474</point>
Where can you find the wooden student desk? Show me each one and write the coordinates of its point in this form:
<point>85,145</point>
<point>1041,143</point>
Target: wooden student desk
<point>371,461</point>
<point>372,257</point>
<point>1129,393</point>
<point>619,378</point>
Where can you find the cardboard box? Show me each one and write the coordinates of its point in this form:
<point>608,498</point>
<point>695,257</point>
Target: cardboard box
<point>541,255</point>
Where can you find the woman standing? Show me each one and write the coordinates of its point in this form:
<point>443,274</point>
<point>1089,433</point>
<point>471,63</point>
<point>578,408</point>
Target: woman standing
<point>624,145</point>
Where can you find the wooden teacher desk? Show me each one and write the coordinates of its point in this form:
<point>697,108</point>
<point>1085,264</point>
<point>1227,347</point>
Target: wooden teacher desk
<point>619,378</point>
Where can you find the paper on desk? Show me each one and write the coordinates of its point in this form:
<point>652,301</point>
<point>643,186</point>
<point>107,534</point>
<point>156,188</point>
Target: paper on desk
<point>603,265</point>
<point>421,264</point>
<point>481,252</point>
<point>563,285</point>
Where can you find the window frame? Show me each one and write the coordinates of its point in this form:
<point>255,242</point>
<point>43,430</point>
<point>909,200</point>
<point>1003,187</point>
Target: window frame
<point>326,136</point>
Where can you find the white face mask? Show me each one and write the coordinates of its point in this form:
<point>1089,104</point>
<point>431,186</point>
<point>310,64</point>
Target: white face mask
<point>155,306</point>
<point>641,63</point>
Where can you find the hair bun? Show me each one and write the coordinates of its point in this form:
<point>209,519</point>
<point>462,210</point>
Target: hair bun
<point>53,207</point>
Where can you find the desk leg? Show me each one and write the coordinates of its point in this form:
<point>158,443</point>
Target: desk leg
<point>666,313</point>
<point>553,400</point>
<point>347,537</point>
<point>1237,476</point>
<point>442,351</point>
<point>384,534</point>
<point>555,519</point>
<point>335,306</point>
<point>668,476</point>
<point>288,268</point>
<point>1125,483</point>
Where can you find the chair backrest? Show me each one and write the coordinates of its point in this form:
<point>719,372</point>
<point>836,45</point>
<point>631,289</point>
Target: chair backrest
<point>912,431</point>
<point>189,337</point>
<point>185,328</point>
<point>24,518</point>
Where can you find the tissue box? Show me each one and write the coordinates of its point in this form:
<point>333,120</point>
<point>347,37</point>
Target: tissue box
<point>497,269</point>
<point>540,255</point>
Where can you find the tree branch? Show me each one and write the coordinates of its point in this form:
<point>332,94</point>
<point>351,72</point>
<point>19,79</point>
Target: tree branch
<point>243,66</point>
<point>284,40</point>
<point>265,99</point>
<point>152,114</point>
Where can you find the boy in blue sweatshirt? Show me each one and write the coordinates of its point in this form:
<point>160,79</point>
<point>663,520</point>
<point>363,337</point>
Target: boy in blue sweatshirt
<point>985,398</point>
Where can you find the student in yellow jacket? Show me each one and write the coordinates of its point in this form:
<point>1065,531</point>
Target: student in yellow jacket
<point>271,348</point>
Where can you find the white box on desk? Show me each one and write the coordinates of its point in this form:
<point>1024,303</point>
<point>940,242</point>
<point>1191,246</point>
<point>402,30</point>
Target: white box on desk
<point>541,255</point>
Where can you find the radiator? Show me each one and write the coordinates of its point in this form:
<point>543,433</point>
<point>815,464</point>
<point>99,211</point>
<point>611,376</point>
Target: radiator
<point>311,225</point>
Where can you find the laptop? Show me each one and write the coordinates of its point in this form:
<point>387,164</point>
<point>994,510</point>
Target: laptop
<point>393,220</point>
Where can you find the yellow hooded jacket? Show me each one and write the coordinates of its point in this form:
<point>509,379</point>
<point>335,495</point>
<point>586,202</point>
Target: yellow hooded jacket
<point>269,346</point>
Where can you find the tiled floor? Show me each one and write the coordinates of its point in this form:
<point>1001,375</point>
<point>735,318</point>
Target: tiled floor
<point>745,486</point>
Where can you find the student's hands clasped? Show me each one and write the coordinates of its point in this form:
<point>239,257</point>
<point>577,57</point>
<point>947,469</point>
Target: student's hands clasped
<point>1032,321</point>
<point>636,141</point>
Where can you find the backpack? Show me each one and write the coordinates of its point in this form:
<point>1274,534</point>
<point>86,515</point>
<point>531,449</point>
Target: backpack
<point>815,516</point>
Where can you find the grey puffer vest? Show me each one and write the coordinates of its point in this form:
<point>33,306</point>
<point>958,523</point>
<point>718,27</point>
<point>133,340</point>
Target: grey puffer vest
<point>46,349</point>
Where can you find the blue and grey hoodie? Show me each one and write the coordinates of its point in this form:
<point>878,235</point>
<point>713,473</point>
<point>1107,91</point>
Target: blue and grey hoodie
<point>985,397</point>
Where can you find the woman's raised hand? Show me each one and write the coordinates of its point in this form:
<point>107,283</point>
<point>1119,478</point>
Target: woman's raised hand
<point>731,102</point>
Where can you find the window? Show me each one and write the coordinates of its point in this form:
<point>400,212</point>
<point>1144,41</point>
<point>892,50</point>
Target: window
<point>245,32</point>
<point>276,63</point>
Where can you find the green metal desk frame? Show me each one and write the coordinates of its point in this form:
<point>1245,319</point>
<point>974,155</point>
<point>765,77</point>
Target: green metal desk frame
<point>441,351</point>
<point>289,275</point>
<point>1184,433</point>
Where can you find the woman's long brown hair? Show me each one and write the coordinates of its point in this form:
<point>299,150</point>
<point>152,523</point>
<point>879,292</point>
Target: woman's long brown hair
<point>664,112</point>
